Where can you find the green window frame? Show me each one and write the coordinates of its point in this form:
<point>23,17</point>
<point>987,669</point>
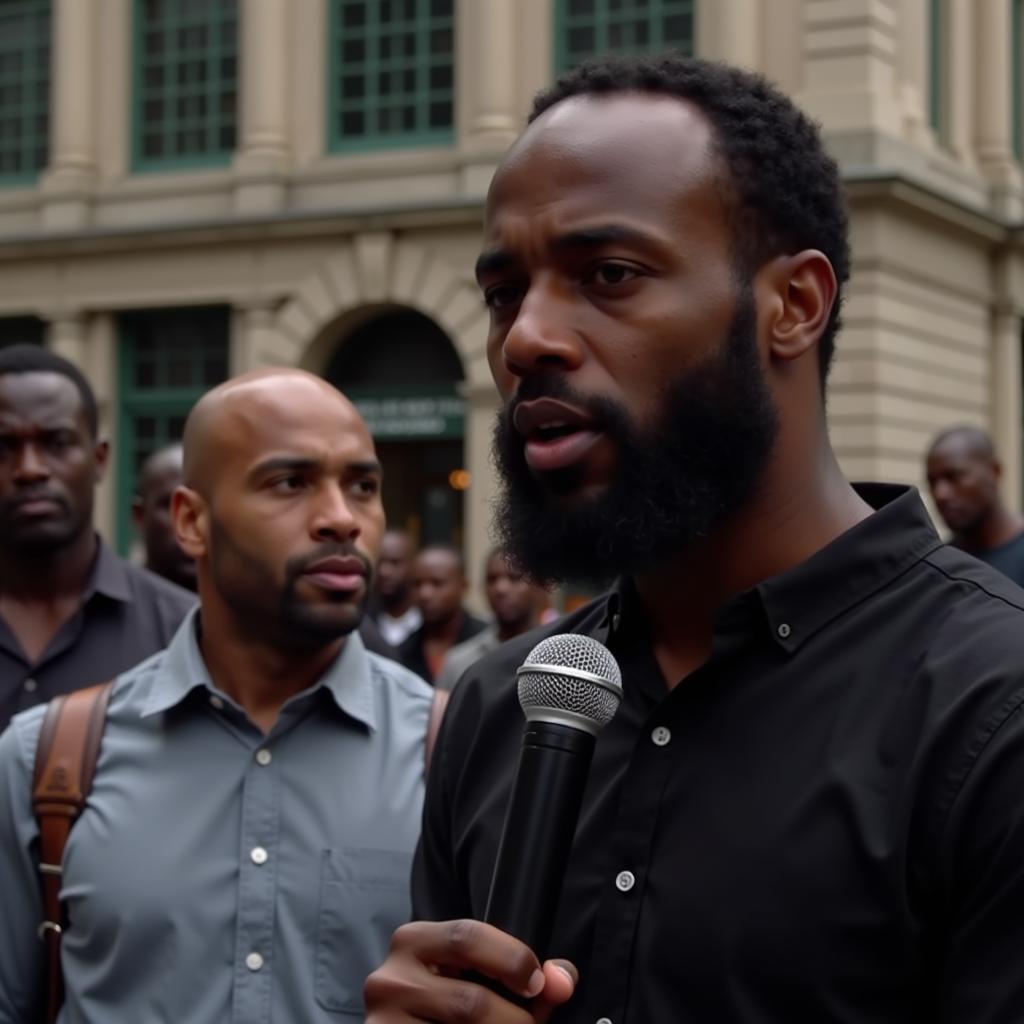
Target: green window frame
<point>592,28</point>
<point>167,360</point>
<point>185,95</point>
<point>25,27</point>
<point>391,67</point>
<point>1017,77</point>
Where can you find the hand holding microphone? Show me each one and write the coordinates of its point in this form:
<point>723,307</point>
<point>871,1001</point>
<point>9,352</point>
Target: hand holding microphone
<point>569,688</point>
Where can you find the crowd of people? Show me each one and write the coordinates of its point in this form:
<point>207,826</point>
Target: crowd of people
<point>807,804</point>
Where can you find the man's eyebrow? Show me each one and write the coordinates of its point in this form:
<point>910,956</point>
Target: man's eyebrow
<point>494,260</point>
<point>278,463</point>
<point>303,464</point>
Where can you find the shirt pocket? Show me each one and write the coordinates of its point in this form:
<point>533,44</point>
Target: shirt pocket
<point>364,897</point>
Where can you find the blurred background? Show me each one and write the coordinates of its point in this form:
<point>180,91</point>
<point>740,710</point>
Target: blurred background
<point>193,188</point>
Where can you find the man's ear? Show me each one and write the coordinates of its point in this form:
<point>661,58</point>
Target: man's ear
<point>191,521</point>
<point>801,290</point>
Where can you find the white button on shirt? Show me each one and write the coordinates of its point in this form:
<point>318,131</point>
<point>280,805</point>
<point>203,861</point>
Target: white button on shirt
<point>258,855</point>
<point>604,1020</point>
<point>625,880</point>
<point>661,736</point>
<point>216,702</point>
<point>263,756</point>
<point>31,685</point>
<point>254,961</point>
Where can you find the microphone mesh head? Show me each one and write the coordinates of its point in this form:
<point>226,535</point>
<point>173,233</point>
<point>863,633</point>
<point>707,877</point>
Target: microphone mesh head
<point>547,693</point>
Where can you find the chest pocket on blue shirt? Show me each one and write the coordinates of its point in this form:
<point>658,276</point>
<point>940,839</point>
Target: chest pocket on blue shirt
<point>364,897</point>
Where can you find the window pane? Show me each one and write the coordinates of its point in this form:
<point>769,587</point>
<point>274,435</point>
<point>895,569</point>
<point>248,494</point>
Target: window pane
<point>585,28</point>
<point>25,88</point>
<point>393,71</point>
<point>188,50</point>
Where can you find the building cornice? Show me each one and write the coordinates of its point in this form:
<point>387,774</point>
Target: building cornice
<point>244,229</point>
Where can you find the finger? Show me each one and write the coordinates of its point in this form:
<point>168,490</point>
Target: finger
<point>402,990</point>
<point>560,979</point>
<point>467,945</point>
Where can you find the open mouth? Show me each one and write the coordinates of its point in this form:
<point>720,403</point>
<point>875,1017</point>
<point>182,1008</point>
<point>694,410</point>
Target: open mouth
<point>555,435</point>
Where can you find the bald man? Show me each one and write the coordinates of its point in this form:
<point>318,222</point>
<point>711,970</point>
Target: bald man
<point>245,852</point>
<point>963,476</point>
<point>161,474</point>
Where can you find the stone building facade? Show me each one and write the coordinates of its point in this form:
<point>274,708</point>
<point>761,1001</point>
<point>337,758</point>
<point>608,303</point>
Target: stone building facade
<point>191,188</point>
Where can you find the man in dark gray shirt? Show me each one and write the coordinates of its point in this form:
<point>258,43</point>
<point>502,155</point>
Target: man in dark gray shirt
<point>71,612</point>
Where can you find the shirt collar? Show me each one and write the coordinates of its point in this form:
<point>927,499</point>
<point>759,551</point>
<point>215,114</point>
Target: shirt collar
<point>348,680</point>
<point>803,600</point>
<point>855,565</point>
<point>108,576</point>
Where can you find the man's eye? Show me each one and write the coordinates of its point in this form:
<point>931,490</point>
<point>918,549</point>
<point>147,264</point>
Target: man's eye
<point>501,296</point>
<point>59,442</point>
<point>368,486</point>
<point>613,273</point>
<point>288,484</point>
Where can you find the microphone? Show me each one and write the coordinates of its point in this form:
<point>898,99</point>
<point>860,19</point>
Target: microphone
<point>569,688</point>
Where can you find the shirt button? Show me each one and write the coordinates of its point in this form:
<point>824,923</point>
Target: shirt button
<point>604,1020</point>
<point>254,961</point>
<point>258,855</point>
<point>661,736</point>
<point>625,880</point>
<point>263,756</point>
<point>784,630</point>
<point>31,685</point>
<point>216,702</point>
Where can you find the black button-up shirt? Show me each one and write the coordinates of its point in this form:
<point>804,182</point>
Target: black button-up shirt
<point>127,614</point>
<point>823,823</point>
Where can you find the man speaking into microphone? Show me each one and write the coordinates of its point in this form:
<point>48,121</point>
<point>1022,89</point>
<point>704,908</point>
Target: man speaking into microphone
<point>808,804</point>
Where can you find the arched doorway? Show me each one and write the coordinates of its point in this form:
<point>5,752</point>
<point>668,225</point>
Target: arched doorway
<point>402,372</point>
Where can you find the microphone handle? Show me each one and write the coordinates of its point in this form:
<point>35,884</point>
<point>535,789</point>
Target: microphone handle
<point>538,832</point>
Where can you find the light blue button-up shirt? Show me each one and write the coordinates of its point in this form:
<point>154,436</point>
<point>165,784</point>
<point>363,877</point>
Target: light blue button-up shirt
<point>218,874</point>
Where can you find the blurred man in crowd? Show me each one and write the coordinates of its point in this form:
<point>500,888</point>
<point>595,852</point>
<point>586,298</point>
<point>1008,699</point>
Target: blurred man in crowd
<point>439,588</point>
<point>395,611</point>
<point>245,851</point>
<point>807,806</point>
<point>71,612</point>
<point>518,605</point>
<point>963,476</point>
<point>159,475</point>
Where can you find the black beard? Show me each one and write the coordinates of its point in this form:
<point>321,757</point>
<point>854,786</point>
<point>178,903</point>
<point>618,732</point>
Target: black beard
<point>679,477</point>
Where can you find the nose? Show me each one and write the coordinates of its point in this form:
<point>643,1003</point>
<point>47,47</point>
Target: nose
<point>332,519</point>
<point>30,465</point>
<point>542,336</point>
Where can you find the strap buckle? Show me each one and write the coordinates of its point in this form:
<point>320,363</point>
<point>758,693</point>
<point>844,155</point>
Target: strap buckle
<point>48,926</point>
<point>50,869</point>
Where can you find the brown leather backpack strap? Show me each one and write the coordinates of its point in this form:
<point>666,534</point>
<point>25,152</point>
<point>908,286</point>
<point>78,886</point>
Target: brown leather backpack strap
<point>437,710</point>
<point>66,756</point>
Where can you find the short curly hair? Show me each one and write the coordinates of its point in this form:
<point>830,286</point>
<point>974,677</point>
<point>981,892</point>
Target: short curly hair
<point>784,187</point>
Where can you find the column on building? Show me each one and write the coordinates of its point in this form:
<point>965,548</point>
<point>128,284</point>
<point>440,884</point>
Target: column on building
<point>66,336</point>
<point>731,30</point>
<point>1006,400</point>
<point>850,77</point>
<point>255,339</point>
<point>487,76</point>
<point>68,181</point>
<point>993,105</point>
<point>913,70</point>
<point>481,403</point>
<point>262,161</point>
